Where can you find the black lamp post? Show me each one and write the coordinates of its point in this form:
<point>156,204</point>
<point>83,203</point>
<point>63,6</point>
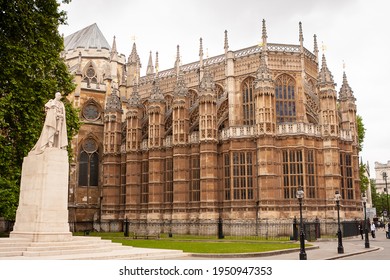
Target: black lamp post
<point>384,174</point>
<point>366,241</point>
<point>340,248</point>
<point>302,253</point>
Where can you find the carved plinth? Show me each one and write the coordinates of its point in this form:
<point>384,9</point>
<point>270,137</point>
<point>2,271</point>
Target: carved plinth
<point>42,213</point>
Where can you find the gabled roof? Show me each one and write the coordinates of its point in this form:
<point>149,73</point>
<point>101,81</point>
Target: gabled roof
<point>89,37</point>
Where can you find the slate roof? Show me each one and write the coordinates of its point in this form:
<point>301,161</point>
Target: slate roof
<point>89,37</point>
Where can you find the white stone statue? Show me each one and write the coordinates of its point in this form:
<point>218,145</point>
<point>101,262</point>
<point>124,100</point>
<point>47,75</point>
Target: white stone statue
<point>53,133</point>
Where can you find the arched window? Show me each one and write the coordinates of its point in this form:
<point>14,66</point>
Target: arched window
<point>248,103</point>
<point>285,99</point>
<point>89,164</point>
<point>90,75</point>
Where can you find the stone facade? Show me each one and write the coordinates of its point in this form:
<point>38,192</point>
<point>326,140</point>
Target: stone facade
<point>229,137</point>
<point>380,180</point>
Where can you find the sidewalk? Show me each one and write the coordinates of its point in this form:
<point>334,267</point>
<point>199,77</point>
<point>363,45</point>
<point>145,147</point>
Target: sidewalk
<point>321,250</point>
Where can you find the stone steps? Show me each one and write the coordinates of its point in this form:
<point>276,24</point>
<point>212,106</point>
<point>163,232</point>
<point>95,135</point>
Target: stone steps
<point>79,248</point>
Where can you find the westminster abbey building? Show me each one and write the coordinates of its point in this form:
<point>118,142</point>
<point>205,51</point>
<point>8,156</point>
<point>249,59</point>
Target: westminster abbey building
<point>230,137</point>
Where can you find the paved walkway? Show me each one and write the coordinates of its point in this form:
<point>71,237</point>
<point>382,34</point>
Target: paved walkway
<point>321,250</point>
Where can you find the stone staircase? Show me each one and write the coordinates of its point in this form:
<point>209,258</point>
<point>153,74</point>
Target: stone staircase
<point>78,248</point>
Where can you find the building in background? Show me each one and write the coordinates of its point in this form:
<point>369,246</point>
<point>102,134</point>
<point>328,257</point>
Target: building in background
<point>382,170</point>
<point>229,137</point>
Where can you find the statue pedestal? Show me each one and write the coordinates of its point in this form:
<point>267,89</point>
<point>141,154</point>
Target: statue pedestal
<point>42,213</point>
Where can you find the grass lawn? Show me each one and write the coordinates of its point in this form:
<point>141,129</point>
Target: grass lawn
<point>201,244</point>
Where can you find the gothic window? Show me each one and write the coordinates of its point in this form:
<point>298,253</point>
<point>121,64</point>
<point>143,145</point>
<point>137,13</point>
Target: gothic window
<point>248,101</point>
<point>346,176</point>
<point>168,193</point>
<point>238,176</point>
<point>226,175</point>
<point>310,174</point>
<point>285,99</point>
<point>145,182</point>
<point>91,112</point>
<point>89,164</point>
<point>292,172</point>
<point>90,75</point>
<point>195,178</point>
<point>299,169</point>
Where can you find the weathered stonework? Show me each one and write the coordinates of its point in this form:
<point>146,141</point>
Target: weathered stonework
<point>228,137</point>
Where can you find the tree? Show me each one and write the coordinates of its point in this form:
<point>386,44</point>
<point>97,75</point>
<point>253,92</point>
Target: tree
<point>31,72</point>
<point>361,130</point>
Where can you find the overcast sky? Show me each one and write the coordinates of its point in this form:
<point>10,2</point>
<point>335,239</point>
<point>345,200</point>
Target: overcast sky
<point>356,32</point>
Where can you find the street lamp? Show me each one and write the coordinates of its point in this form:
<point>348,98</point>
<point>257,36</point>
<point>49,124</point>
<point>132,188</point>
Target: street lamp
<point>340,248</point>
<point>302,253</point>
<point>366,241</point>
<point>384,174</point>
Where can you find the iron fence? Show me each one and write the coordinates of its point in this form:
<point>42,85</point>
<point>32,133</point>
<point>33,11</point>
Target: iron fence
<point>264,229</point>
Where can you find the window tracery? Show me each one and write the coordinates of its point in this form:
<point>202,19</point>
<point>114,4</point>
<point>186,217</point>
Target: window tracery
<point>89,163</point>
<point>90,75</point>
<point>248,101</point>
<point>285,99</point>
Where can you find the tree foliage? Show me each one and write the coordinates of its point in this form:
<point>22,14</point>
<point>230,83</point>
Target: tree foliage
<point>31,71</point>
<point>379,200</point>
<point>361,130</point>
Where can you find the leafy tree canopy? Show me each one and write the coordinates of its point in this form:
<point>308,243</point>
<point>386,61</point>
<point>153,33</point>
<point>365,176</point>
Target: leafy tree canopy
<point>31,71</point>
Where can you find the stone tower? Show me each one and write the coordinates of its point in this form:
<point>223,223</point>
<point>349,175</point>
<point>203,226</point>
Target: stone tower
<point>112,157</point>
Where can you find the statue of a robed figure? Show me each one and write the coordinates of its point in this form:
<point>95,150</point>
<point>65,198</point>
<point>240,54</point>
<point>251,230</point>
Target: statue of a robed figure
<point>53,133</point>
<point>42,213</point>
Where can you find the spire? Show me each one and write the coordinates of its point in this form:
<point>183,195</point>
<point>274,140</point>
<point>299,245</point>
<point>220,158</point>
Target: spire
<point>300,33</point>
<point>180,88</point>
<point>113,102</point>
<point>134,57</point>
<point>150,69</point>
<point>156,64</point>
<point>134,100</point>
<point>324,76</point>
<point>226,44</point>
<point>156,94</point>
<point>177,62</point>
<point>315,47</point>
<point>114,52</point>
<point>201,52</point>
<point>207,82</point>
<point>264,35</point>
<point>346,91</point>
<point>263,73</point>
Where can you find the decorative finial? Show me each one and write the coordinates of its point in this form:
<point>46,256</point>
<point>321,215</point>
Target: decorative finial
<point>300,32</point>
<point>156,63</point>
<point>264,31</point>
<point>177,62</point>
<point>315,44</point>
<point>226,45</point>
<point>133,38</point>
<point>201,47</point>
<point>343,65</point>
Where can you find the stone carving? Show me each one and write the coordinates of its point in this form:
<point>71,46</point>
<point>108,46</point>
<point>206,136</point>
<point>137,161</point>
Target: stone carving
<point>54,133</point>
